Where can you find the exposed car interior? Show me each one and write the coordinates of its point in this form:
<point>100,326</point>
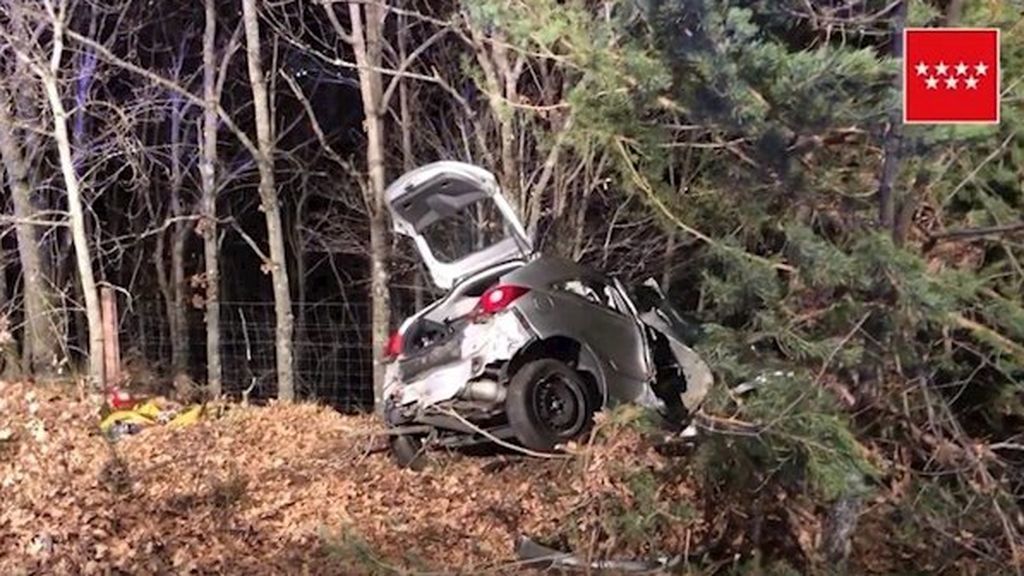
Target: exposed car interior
<point>470,228</point>
<point>437,199</point>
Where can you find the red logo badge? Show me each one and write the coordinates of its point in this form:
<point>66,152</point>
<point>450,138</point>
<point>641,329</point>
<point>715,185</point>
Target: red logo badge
<point>951,75</point>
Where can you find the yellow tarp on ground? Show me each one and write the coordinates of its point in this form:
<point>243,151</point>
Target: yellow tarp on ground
<point>149,413</point>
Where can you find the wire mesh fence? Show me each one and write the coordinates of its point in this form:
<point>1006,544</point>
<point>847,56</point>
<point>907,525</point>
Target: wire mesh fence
<point>332,355</point>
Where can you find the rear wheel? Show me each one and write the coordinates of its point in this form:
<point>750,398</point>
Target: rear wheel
<point>548,404</point>
<point>409,452</point>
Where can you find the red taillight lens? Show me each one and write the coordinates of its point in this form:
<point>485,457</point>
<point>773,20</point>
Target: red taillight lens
<point>394,347</point>
<point>497,298</point>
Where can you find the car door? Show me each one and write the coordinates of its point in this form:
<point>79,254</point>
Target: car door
<point>590,307</point>
<point>458,219</point>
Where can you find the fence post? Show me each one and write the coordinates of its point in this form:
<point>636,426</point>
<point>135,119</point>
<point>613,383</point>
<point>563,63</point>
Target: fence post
<point>111,342</point>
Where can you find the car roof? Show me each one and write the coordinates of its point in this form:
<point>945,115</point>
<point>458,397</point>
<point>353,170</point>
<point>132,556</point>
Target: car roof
<point>548,270</point>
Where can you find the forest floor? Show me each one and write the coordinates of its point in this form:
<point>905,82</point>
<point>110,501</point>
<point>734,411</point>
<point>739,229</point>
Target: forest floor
<point>282,489</point>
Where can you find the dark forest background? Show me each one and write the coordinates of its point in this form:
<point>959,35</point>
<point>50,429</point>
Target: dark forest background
<point>199,157</point>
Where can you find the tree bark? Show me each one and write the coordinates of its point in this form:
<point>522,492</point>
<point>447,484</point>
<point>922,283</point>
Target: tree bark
<point>208,204</point>
<point>80,240</point>
<point>670,255</point>
<point>10,366</point>
<point>164,284</point>
<point>954,12</point>
<point>269,201</point>
<point>178,303</point>
<point>500,83</point>
<point>892,146</point>
<point>366,42</point>
<point>408,159</point>
<point>42,348</point>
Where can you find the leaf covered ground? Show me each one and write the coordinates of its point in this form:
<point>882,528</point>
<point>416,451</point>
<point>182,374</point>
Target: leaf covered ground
<point>297,489</point>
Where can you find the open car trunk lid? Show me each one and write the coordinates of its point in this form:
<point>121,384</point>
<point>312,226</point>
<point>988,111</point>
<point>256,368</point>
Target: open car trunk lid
<point>458,218</point>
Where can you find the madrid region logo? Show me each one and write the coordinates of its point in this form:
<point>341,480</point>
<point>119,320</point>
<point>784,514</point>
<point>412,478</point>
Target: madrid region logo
<point>951,76</point>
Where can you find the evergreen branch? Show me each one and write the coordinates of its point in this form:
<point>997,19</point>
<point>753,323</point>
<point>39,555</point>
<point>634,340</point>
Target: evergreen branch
<point>991,336</point>
<point>974,232</point>
<point>970,177</point>
<point>644,185</point>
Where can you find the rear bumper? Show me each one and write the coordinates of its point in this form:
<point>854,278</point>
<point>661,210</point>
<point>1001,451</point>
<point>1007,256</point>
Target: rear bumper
<point>445,374</point>
<point>441,354</point>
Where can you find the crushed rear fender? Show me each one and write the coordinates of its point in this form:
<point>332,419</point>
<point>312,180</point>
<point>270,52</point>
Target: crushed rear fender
<point>663,318</point>
<point>482,343</point>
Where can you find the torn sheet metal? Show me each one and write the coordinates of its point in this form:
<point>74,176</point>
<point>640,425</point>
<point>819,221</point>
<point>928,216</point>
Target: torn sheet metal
<point>696,371</point>
<point>482,344</point>
<point>539,555</point>
<point>437,385</point>
<point>494,340</point>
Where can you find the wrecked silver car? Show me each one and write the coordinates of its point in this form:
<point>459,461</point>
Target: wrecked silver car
<point>522,348</point>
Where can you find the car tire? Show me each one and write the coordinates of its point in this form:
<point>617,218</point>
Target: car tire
<point>408,452</point>
<point>548,404</point>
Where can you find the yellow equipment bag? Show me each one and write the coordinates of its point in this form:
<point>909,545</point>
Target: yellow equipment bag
<point>149,413</point>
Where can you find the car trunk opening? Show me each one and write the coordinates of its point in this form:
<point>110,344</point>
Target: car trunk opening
<point>458,219</point>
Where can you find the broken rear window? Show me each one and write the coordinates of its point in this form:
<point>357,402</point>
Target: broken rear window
<point>596,292</point>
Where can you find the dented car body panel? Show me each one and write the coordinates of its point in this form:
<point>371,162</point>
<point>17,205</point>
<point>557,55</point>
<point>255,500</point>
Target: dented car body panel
<point>571,302</point>
<point>507,307</point>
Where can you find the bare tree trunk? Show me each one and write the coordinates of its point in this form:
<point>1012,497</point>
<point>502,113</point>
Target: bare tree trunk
<point>164,284</point>
<point>301,270</point>
<point>10,366</point>
<point>42,340</point>
<point>76,213</point>
<point>670,253</point>
<point>408,161</point>
<point>269,201</point>
<point>954,11</point>
<point>367,46</point>
<point>501,80</point>
<point>892,146</point>
<point>178,303</point>
<point>579,223</point>
<point>208,206</point>
<point>534,199</point>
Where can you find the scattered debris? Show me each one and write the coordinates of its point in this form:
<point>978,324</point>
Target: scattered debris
<point>540,556</point>
<point>153,412</point>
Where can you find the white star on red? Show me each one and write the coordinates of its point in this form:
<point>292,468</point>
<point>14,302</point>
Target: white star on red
<point>932,82</point>
<point>980,68</point>
<point>961,69</point>
<point>972,83</point>
<point>951,83</point>
<point>921,68</point>
<point>941,68</point>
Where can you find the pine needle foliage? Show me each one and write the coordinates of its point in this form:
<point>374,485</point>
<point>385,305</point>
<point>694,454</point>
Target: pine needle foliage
<point>780,125</point>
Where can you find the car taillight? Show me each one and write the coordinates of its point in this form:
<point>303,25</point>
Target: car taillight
<point>497,298</point>
<point>394,347</point>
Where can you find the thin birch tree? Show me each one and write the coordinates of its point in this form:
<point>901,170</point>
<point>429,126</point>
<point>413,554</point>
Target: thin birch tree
<point>366,40</point>
<point>208,203</point>
<point>76,214</point>
<point>270,205</point>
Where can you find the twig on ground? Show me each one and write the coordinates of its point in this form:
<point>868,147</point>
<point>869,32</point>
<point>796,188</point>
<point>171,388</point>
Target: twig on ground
<point>501,442</point>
